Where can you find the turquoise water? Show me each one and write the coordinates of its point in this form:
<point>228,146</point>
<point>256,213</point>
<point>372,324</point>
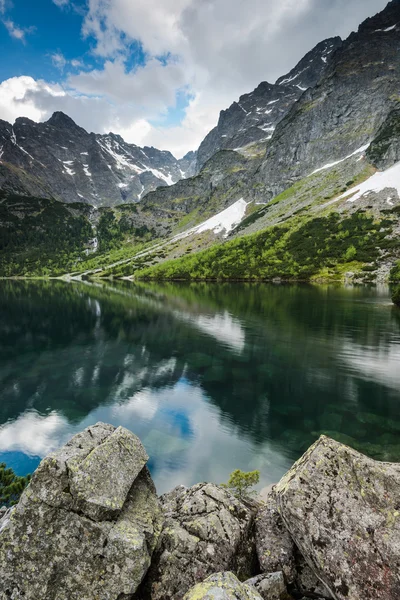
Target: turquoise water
<point>212,377</point>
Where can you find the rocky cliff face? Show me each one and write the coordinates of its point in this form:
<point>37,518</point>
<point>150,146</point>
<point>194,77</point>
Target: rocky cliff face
<point>254,117</point>
<point>59,159</point>
<point>344,111</point>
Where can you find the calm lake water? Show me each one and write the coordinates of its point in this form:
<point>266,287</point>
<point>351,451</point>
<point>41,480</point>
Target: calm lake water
<point>211,377</point>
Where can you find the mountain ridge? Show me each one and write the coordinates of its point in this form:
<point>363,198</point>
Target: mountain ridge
<point>72,165</point>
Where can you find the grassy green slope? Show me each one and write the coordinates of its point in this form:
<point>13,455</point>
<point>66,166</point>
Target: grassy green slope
<point>324,246</point>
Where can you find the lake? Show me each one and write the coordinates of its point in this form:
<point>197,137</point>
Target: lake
<point>211,377</point>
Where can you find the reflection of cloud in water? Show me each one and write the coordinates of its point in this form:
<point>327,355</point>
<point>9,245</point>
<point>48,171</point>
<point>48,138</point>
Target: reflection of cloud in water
<point>142,405</point>
<point>222,327</point>
<point>34,434</point>
<point>381,365</point>
<point>186,437</point>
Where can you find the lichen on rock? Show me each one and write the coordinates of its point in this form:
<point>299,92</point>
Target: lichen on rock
<point>342,510</point>
<point>86,526</point>
<point>207,530</point>
<point>222,586</point>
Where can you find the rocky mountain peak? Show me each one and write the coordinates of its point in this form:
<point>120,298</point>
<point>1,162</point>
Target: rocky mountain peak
<point>254,117</point>
<point>64,161</point>
<point>309,70</point>
<point>384,21</point>
<point>62,121</point>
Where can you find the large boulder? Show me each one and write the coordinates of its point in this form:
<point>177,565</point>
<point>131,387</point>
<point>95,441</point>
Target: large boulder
<point>274,545</point>
<point>207,530</point>
<point>343,511</point>
<point>86,526</point>
<point>222,586</point>
<point>270,586</point>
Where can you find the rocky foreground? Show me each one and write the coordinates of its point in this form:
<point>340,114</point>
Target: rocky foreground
<point>91,527</point>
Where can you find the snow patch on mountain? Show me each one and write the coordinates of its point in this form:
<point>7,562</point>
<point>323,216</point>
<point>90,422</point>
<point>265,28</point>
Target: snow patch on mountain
<point>389,179</point>
<point>224,221</point>
<point>337,162</point>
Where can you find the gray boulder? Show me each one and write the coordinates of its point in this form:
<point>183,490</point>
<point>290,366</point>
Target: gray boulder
<point>274,545</point>
<point>270,586</point>
<point>86,526</point>
<point>342,510</point>
<point>307,582</point>
<point>222,586</point>
<point>207,530</point>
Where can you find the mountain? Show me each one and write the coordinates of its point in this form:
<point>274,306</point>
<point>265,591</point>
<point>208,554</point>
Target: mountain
<point>59,159</point>
<point>254,117</point>
<point>344,111</point>
<point>320,199</point>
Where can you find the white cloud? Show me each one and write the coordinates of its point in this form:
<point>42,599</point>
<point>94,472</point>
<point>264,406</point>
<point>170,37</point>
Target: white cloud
<point>61,3</point>
<point>2,6</point>
<point>214,49</point>
<point>153,85</point>
<point>16,32</point>
<point>58,60</point>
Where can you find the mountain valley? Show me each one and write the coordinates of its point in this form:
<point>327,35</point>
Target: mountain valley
<point>298,180</point>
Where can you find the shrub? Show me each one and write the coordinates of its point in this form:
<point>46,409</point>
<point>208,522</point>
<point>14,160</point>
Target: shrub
<point>11,486</point>
<point>241,482</point>
<point>396,296</point>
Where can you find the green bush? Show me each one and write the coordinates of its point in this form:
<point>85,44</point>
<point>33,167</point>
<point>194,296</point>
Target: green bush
<point>240,482</point>
<point>11,486</point>
<point>396,296</point>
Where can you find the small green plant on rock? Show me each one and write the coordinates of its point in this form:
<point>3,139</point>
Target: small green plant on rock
<point>396,296</point>
<point>11,486</point>
<point>241,482</point>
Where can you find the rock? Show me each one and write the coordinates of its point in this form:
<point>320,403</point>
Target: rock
<point>274,545</point>
<point>344,111</point>
<point>86,526</point>
<point>270,587</point>
<point>207,530</point>
<point>342,510</point>
<point>222,586</point>
<point>59,159</point>
<point>307,582</point>
<point>254,117</point>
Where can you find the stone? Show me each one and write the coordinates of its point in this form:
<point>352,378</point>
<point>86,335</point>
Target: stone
<point>342,510</point>
<point>77,536</point>
<point>59,159</point>
<point>207,530</point>
<point>307,582</point>
<point>274,545</point>
<point>270,586</point>
<point>222,586</point>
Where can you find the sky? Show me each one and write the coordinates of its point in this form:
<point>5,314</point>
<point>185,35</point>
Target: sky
<point>157,72</point>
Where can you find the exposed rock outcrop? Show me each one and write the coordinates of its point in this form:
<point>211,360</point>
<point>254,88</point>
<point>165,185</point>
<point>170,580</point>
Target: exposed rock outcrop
<point>207,530</point>
<point>222,586</point>
<point>59,159</point>
<point>254,117</point>
<point>275,547</point>
<point>344,111</point>
<point>270,587</point>
<point>342,510</point>
<point>87,525</point>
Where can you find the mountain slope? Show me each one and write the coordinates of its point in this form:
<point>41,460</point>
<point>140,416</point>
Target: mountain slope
<point>255,116</point>
<point>344,111</point>
<point>59,159</point>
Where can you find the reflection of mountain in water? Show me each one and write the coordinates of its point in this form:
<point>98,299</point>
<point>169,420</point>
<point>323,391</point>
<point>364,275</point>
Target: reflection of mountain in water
<point>274,360</point>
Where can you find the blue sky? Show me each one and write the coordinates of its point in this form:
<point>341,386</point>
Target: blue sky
<point>156,71</point>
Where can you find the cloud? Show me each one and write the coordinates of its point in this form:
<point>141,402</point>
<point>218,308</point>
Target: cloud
<point>58,60</point>
<point>211,50</point>
<point>61,3</point>
<point>2,7</point>
<point>16,32</point>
